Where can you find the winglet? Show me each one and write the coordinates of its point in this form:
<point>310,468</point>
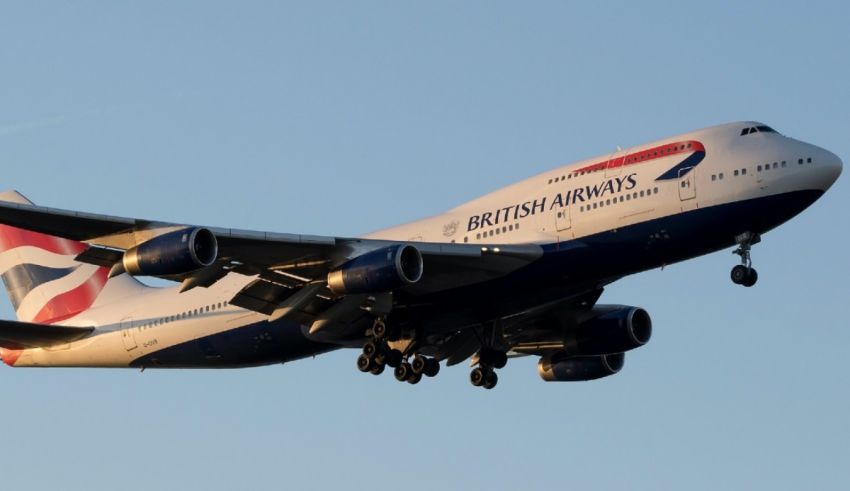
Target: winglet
<point>13,196</point>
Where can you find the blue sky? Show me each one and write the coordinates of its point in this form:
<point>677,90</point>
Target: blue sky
<point>345,117</point>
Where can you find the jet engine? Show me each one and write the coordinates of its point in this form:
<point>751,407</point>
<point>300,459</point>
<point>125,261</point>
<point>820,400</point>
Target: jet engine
<point>381,270</point>
<point>177,252</point>
<point>560,367</point>
<point>619,329</point>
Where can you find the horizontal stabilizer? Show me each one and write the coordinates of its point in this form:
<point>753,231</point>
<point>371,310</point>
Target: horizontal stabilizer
<point>23,335</point>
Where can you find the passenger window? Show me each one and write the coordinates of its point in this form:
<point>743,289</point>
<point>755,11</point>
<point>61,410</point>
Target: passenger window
<point>465,240</point>
<point>608,202</point>
<point>784,163</point>
<point>720,176</point>
<point>714,177</point>
<point>800,161</point>
<point>758,168</point>
<point>641,193</point>
<point>775,165</point>
<point>743,172</point>
<point>809,160</point>
<point>736,172</point>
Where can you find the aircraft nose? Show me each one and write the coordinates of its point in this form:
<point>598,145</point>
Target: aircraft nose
<point>830,168</point>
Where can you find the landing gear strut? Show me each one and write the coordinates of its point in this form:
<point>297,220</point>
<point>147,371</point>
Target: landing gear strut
<point>744,273</point>
<point>489,358</point>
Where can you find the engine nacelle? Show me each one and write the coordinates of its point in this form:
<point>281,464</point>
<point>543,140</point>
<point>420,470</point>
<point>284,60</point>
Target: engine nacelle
<point>381,270</point>
<point>562,368</point>
<point>178,252</point>
<point>616,331</point>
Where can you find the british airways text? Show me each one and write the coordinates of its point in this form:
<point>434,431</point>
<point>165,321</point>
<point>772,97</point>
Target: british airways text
<point>560,200</point>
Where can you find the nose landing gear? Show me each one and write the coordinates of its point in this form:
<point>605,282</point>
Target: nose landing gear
<point>744,273</point>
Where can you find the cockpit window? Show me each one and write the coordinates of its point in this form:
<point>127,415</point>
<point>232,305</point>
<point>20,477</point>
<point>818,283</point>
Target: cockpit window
<point>758,129</point>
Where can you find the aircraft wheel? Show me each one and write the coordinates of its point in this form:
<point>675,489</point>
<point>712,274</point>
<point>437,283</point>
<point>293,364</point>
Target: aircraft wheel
<point>414,378</point>
<point>739,274</point>
<point>432,367</point>
<point>478,376</point>
<point>751,279</point>
<point>377,369</point>
<point>370,348</point>
<point>364,363</point>
<point>491,380</point>
<point>419,364</point>
<point>379,329</point>
<point>403,371</point>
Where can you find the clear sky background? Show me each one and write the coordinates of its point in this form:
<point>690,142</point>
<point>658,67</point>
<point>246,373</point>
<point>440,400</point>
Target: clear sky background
<point>345,117</point>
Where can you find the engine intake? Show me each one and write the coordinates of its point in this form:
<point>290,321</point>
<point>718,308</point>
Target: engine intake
<point>559,367</point>
<point>618,330</point>
<point>381,270</point>
<point>177,252</point>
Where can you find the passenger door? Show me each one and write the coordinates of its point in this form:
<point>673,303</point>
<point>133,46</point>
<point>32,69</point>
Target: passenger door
<point>128,337</point>
<point>687,184</point>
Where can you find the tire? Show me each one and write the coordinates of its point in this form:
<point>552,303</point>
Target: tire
<point>370,348</point>
<point>739,274</point>
<point>419,364</point>
<point>477,376</point>
<point>414,378</point>
<point>364,363</point>
<point>402,372</point>
<point>432,368</point>
<point>379,329</point>
<point>491,381</point>
<point>751,279</point>
<point>377,369</point>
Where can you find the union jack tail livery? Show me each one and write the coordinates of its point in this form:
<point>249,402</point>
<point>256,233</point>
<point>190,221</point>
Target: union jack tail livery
<point>44,281</point>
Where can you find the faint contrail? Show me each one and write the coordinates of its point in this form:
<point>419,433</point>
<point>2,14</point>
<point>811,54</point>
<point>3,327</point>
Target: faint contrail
<point>32,125</point>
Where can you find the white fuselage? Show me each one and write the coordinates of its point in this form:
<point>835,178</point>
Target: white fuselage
<point>606,193</point>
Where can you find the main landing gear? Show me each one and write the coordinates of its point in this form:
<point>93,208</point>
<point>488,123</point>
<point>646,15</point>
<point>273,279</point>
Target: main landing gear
<point>744,273</point>
<point>381,352</point>
<point>484,375</point>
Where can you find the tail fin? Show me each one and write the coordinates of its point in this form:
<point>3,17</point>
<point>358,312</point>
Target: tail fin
<point>44,282</point>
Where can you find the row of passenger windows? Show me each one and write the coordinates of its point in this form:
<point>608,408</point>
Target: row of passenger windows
<point>629,159</point>
<point>655,152</point>
<point>620,199</point>
<point>570,176</point>
<point>183,315</point>
<point>761,168</point>
<point>496,231</point>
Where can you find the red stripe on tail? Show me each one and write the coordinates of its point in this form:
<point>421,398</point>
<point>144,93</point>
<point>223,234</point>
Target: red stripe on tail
<point>74,301</point>
<point>12,237</point>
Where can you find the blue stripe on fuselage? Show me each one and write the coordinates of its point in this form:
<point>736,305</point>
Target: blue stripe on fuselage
<point>688,164</point>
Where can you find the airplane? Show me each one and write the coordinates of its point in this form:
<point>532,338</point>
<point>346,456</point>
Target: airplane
<point>517,272</point>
